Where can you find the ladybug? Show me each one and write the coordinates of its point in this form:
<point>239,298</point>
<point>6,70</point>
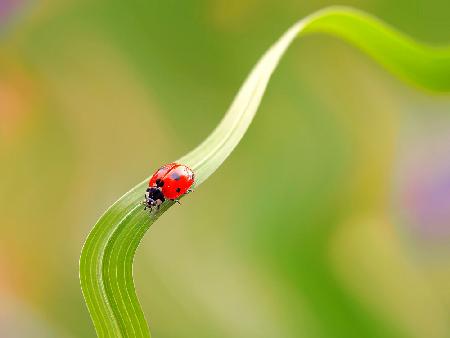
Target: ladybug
<point>169,182</point>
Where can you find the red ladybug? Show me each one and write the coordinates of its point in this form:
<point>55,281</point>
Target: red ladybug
<point>170,181</point>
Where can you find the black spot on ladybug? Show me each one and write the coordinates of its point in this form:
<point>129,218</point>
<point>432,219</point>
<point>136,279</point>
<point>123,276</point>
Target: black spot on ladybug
<point>159,182</point>
<point>175,176</point>
<point>178,189</point>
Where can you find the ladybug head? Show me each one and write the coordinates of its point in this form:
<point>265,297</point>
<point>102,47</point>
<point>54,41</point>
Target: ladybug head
<point>153,197</point>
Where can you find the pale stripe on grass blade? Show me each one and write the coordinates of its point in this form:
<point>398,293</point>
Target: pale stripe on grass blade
<point>106,263</point>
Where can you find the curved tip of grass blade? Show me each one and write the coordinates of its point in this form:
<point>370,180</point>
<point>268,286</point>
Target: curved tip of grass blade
<point>107,257</point>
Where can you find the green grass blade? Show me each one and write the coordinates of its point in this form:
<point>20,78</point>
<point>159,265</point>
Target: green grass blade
<point>107,258</point>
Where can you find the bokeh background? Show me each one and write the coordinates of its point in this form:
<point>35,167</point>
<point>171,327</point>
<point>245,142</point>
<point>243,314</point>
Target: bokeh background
<point>331,219</point>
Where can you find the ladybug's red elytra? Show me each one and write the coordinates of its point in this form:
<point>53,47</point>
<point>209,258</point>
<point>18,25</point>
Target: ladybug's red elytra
<point>168,182</point>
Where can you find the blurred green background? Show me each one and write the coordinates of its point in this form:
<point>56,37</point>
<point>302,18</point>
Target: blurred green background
<point>331,219</point>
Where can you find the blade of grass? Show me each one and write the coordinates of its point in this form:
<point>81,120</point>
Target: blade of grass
<point>106,263</point>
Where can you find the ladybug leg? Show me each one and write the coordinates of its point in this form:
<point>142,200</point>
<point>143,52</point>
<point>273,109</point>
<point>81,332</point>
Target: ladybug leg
<point>146,206</point>
<point>176,201</point>
<point>189,191</point>
<point>144,203</point>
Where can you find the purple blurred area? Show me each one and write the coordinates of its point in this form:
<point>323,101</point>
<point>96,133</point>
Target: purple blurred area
<point>425,176</point>
<point>9,9</point>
